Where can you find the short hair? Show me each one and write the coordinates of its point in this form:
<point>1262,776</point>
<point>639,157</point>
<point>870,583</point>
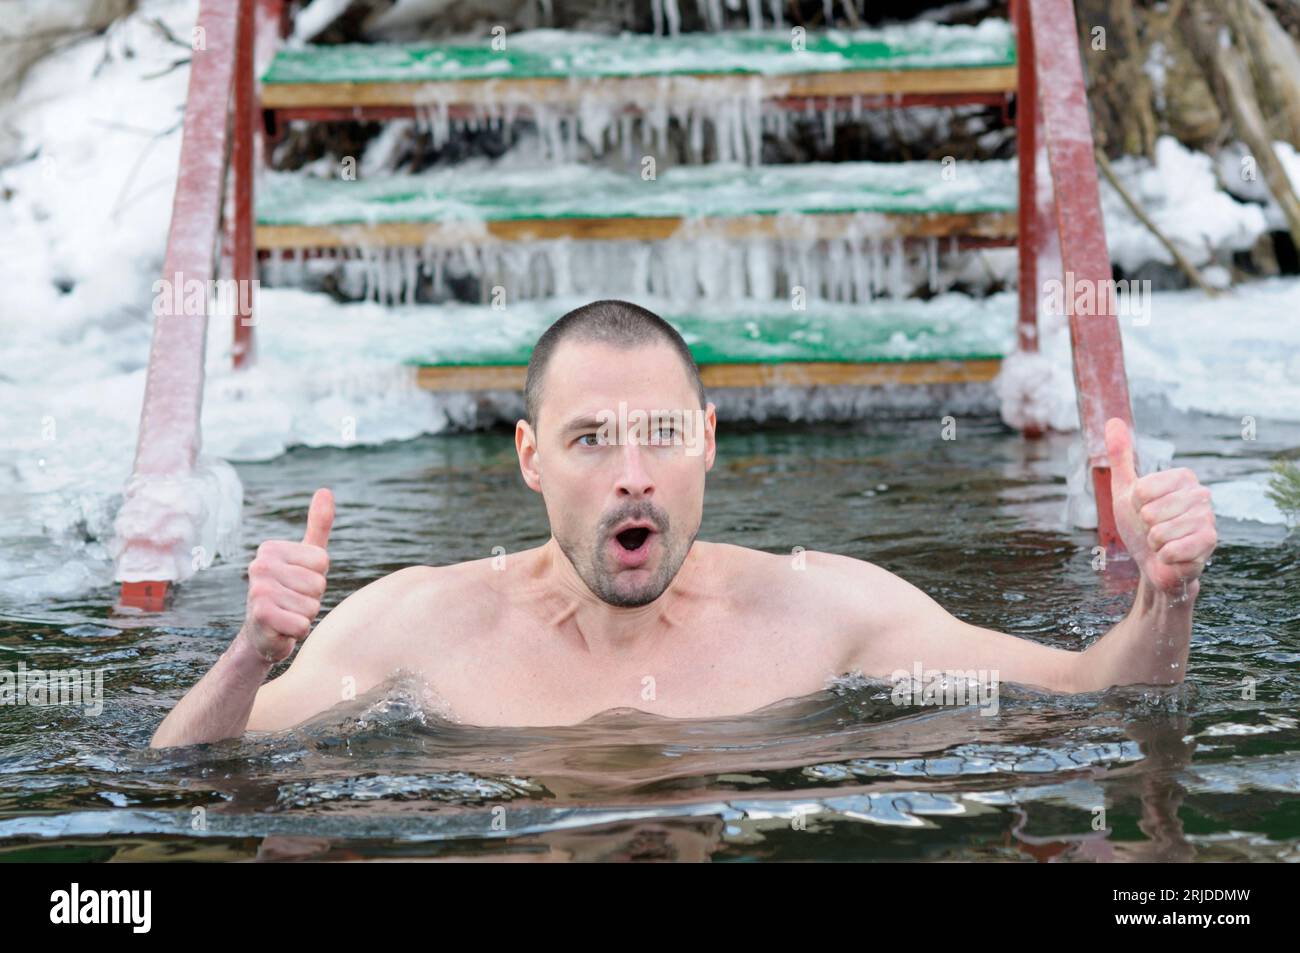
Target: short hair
<point>608,321</point>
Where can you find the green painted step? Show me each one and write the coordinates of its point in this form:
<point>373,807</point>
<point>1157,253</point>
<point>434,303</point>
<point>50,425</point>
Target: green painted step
<point>947,327</point>
<point>489,193</point>
<point>564,53</point>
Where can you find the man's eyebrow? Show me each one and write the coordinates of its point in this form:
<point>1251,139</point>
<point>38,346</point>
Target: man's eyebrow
<point>583,422</point>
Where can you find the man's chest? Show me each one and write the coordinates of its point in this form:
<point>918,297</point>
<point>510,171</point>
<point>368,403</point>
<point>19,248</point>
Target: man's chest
<point>536,675</point>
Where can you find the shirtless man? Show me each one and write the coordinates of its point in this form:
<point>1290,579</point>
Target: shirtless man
<point>623,608</point>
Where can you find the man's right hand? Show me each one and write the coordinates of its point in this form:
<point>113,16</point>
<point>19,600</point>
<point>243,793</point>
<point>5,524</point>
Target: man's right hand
<point>285,584</point>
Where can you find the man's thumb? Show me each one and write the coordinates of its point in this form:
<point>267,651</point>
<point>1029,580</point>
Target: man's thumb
<point>319,519</point>
<point>1119,448</point>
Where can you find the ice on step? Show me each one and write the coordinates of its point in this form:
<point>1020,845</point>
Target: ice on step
<point>594,56</point>
<point>492,192</point>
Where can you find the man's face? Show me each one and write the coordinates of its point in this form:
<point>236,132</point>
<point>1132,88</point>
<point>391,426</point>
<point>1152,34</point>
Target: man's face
<point>619,456</point>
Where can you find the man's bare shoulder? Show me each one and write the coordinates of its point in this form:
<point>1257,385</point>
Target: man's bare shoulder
<point>841,589</point>
<point>407,619</point>
<point>444,600</point>
<point>783,569</point>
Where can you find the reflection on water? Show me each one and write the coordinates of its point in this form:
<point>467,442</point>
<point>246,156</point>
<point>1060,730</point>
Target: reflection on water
<point>1200,771</point>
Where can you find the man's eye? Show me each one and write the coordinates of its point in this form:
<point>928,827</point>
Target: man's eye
<point>594,438</point>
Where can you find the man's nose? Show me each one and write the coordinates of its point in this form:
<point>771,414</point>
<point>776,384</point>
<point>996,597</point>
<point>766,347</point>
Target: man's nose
<point>634,478</point>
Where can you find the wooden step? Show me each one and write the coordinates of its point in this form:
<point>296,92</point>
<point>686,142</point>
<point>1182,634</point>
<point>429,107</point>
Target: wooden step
<point>729,201</point>
<point>791,374</point>
<point>951,338</point>
<point>565,68</point>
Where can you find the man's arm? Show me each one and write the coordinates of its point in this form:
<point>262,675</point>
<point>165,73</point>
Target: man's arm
<point>350,652</point>
<point>286,582</point>
<point>1167,524</point>
<point>1166,520</point>
<point>907,628</point>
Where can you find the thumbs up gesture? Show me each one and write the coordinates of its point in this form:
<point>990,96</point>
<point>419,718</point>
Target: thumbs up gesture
<point>1165,518</point>
<point>285,584</point>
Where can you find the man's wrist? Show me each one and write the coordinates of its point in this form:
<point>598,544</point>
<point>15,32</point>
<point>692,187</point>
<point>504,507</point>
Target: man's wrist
<point>243,652</point>
<point>1152,598</point>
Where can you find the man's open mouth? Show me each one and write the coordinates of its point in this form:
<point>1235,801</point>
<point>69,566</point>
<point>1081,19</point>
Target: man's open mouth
<point>633,539</point>
<point>631,544</point>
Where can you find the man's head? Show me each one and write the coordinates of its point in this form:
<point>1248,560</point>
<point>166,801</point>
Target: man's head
<point>617,439</point>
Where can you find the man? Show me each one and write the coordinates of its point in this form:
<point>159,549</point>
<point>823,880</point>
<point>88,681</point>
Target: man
<point>624,608</point>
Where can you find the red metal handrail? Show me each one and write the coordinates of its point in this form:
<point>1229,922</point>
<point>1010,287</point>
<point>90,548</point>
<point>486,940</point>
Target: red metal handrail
<point>1052,109</point>
<point>169,437</point>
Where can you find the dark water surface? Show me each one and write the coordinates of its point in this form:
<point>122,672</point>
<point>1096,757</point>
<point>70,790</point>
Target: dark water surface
<point>1192,773</point>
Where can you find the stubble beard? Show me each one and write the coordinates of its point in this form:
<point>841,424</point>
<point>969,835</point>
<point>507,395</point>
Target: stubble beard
<point>590,562</point>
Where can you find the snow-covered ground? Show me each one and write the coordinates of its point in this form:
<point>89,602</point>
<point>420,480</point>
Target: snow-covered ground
<point>83,224</point>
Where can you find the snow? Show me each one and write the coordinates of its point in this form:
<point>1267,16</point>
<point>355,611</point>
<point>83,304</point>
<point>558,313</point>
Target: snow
<point>1181,195</point>
<point>1234,355</point>
<point>1246,499</point>
<point>1241,176</point>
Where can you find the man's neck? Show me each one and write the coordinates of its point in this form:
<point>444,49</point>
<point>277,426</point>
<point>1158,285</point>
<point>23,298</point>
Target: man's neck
<point>615,630</point>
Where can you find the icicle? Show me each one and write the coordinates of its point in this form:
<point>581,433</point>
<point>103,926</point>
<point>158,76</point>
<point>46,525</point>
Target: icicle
<point>735,285</point>
<point>625,133</point>
<point>673,16</point>
<point>411,267</point>
<point>804,274</point>
<point>695,135</point>
<point>756,15</point>
<point>383,263</point>
<point>367,275</point>
<point>932,252</point>
<point>753,106</point>
<point>860,266</point>
<point>759,266</point>
<point>896,273</point>
<point>778,22</point>
<point>737,131</point>
<point>846,269</point>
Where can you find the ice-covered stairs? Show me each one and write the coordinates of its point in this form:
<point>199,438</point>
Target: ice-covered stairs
<point>594,89</point>
<point>927,61</point>
<point>815,200</point>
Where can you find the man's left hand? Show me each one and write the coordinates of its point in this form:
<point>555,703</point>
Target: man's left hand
<point>1165,519</point>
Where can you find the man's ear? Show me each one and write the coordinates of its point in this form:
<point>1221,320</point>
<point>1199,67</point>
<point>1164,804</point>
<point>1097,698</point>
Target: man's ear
<point>710,435</point>
<point>526,447</point>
